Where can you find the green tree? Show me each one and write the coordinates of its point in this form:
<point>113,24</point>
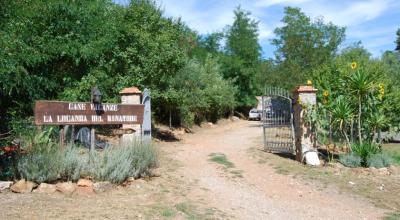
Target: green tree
<point>304,45</point>
<point>398,40</point>
<point>242,58</point>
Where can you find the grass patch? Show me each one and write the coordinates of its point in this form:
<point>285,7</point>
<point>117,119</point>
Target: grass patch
<point>168,212</point>
<point>237,173</point>
<point>394,151</point>
<point>393,216</point>
<point>220,158</point>
<point>366,184</point>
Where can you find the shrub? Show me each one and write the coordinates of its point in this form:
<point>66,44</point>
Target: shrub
<point>350,160</point>
<point>73,163</point>
<point>365,150</point>
<point>379,160</point>
<point>117,163</point>
<point>42,164</point>
<point>46,163</point>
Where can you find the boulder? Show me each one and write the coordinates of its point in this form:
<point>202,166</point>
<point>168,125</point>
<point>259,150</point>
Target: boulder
<point>66,187</point>
<point>234,118</point>
<point>23,186</point>
<point>102,186</point>
<point>85,183</point>
<point>394,170</point>
<point>384,171</point>
<point>155,172</point>
<point>84,190</point>
<point>5,185</point>
<point>46,188</point>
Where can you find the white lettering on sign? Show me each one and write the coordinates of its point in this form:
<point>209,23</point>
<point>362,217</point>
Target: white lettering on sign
<point>97,118</point>
<point>121,118</point>
<point>77,106</point>
<point>71,118</point>
<point>47,119</point>
<point>104,107</point>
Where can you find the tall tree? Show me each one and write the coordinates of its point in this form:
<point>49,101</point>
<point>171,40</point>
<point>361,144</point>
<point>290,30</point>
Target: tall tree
<point>398,40</point>
<point>242,58</point>
<point>303,45</point>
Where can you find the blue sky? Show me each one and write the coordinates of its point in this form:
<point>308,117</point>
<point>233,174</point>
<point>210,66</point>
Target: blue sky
<point>373,22</point>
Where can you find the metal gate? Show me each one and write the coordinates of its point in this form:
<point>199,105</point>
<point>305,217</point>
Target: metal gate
<point>277,119</point>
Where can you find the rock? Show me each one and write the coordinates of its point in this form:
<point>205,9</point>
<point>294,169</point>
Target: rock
<point>102,186</point>
<point>5,185</point>
<point>84,190</point>
<point>130,179</point>
<point>66,187</point>
<point>23,186</point>
<point>85,183</point>
<point>394,170</point>
<point>384,171</point>
<point>235,118</point>
<point>155,172</point>
<point>46,188</point>
<point>373,170</point>
<point>179,131</point>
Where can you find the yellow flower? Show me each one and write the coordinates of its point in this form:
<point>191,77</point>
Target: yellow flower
<point>309,82</point>
<point>353,65</point>
<point>326,93</point>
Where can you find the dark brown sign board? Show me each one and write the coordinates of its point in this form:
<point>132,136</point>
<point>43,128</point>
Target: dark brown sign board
<point>86,113</point>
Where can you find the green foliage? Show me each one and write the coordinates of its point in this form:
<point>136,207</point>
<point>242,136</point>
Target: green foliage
<point>42,163</point>
<point>242,59</point>
<point>117,163</point>
<point>398,40</point>
<point>303,46</point>
<point>365,151</point>
<point>221,159</point>
<point>350,160</point>
<point>379,160</point>
<point>74,163</point>
<point>45,162</point>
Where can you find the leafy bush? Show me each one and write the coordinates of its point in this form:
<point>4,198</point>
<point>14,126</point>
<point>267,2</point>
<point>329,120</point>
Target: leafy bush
<point>42,164</point>
<point>46,162</point>
<point>350,160</point>
<point>379,160</point>
<point>73,163</point>
<point>365,150</point>
<point>118,163</point>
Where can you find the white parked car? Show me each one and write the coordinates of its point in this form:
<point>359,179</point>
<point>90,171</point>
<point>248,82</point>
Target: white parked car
<point>254,114</point>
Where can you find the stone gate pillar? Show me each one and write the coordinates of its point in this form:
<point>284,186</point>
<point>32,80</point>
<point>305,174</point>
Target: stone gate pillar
<point>131,95</point>
<point>303,96</point>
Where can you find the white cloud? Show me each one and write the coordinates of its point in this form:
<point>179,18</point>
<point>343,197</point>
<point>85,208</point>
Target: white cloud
<point>267,3</point>
<point>353,13</point>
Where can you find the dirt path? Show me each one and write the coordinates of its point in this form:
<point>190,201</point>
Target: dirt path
<point>258,192</point>
<point>193,187</point>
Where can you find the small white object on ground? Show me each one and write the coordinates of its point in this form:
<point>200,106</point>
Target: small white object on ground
<point>312,158</point>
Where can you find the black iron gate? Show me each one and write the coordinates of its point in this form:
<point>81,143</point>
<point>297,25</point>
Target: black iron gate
<point>277,119</point>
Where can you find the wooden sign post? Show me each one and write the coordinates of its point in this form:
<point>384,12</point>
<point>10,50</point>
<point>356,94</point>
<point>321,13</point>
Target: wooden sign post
<point>86,113</point>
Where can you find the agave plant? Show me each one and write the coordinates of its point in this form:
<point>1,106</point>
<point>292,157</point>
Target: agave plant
<point>359,83</point>
<point>376,121</point>
<point>342,115</point>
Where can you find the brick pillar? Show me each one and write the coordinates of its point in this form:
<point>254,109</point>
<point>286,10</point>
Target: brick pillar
<point>304,139</point>
<point>131,95</point>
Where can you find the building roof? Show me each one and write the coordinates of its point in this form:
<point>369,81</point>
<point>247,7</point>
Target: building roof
<point>130,90</point>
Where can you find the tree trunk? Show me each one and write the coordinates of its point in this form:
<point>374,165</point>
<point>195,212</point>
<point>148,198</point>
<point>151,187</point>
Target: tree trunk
<point>330,128</point>
<point>170,118</point>
<point>359,120</point>
<point>346,137</point>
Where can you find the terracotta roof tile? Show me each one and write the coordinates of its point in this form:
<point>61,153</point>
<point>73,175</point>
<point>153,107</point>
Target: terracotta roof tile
<point>130,90</point>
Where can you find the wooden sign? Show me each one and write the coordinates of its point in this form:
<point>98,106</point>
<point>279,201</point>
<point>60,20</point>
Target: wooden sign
<point>86,113</point>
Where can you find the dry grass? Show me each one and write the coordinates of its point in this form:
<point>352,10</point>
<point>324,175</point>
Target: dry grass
<point>366,184</point>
